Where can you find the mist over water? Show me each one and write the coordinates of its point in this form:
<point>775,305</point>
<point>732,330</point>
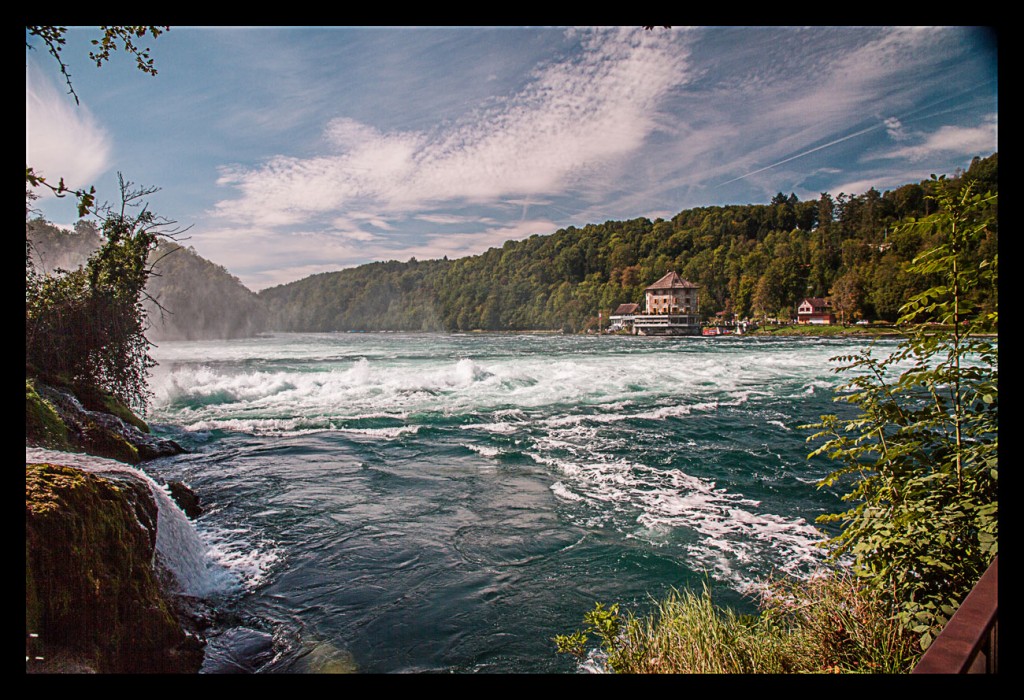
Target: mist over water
<point>448,503</point>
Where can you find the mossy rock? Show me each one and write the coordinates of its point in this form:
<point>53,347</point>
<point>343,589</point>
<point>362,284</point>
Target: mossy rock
<point>91,589</point>
<point>43,425</point>
<point>96,399</point>
<point>89,420</point>
<point>103,442</point>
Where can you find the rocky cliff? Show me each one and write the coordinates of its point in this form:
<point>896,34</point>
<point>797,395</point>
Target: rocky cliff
<point>93,594</point>
<point>75,419</point>
<point>96,597</point>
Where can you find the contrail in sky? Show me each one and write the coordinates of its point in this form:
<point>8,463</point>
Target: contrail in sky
<point>864,131</point>
<point>801,155</point>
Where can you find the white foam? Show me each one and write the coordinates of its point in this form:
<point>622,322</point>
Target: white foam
<point>500,428</point>
<point>249,563</point>
<point>378,383</point>
<point>483,450</point>
<point>563,492</point>
<point>384,432</point>
<point>735,535</point>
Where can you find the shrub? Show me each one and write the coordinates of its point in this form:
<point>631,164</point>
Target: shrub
<point>920,458</point>
<point>87,326</point>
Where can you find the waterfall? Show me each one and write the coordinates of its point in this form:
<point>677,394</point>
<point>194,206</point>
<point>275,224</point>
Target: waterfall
<point>179,548</point>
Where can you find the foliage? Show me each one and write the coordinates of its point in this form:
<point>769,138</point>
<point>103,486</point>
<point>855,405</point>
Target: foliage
<point>828,624</point>
<point>87,326</point>
<point>187,296</point>
<point>833,623</point>
<point>111,39</point>
<point>86,198</point>
<point>920,455</point>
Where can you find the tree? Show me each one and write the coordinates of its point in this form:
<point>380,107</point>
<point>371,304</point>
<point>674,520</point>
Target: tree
<point>87,327</point>
<point>922,449</point>
<point>848,296</point>
<point>890,284</point>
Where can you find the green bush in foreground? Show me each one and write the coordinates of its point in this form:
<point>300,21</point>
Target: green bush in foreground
<point>920,459</point>
<point>86,327</point>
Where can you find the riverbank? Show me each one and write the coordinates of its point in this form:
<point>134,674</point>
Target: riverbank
<point>96,600</point>
<point>828,331</point>
<point>867,331</point>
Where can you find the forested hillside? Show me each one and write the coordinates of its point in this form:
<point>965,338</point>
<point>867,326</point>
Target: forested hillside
<point>52,248</point>
<point>752,260</point>
<point>198,299</point>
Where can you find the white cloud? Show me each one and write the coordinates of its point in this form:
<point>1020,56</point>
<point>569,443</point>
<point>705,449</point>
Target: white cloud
<point>572,117</point>
<point>447,219</point>
<point>457,245</point>
<point>372,219</point>
<point>62,139</point>
<point>894,128</point>
<point>954,139</point>
<point>822,96</point>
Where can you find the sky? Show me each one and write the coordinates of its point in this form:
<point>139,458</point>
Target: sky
<point>290,151</point>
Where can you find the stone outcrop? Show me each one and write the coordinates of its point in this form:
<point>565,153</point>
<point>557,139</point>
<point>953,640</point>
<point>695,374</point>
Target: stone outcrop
<point>95,598</point>
<point>186,498</point>
<point>89,421</point>
<point>93,594</point>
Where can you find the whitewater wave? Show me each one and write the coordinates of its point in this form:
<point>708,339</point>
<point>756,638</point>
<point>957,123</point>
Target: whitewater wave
<point>730,536</point>
<point>192,393</point>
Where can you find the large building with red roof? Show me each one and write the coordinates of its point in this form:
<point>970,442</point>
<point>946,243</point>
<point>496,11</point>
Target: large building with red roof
<point>671,295</point>
<point>671,309</point>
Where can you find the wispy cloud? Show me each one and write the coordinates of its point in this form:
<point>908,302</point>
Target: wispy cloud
<point>571,117</point>
<point>817,98</point>
<point>457,245</point>
<point>62,139</point>
<point>953,139</point>
<point>447,219</point>
<point>894,128</point>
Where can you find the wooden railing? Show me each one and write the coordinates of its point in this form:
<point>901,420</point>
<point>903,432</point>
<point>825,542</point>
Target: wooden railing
<point>969,643</point>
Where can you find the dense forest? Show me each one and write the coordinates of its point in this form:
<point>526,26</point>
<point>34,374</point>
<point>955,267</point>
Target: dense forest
<point>198,299</point>
<point>751,260</point>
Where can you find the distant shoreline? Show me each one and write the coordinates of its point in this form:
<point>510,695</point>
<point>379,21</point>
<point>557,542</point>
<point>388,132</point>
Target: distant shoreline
<point>815,331</point>
<point>846,331</point>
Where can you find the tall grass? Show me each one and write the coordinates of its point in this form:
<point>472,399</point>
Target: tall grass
<point>827,624</point>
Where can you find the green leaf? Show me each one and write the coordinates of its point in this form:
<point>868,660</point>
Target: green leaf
<point>926,641</point>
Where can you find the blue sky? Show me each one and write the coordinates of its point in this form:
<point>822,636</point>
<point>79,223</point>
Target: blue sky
<point>293,151</point>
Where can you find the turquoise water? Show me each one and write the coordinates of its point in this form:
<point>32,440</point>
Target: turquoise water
<point>448,503</point>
